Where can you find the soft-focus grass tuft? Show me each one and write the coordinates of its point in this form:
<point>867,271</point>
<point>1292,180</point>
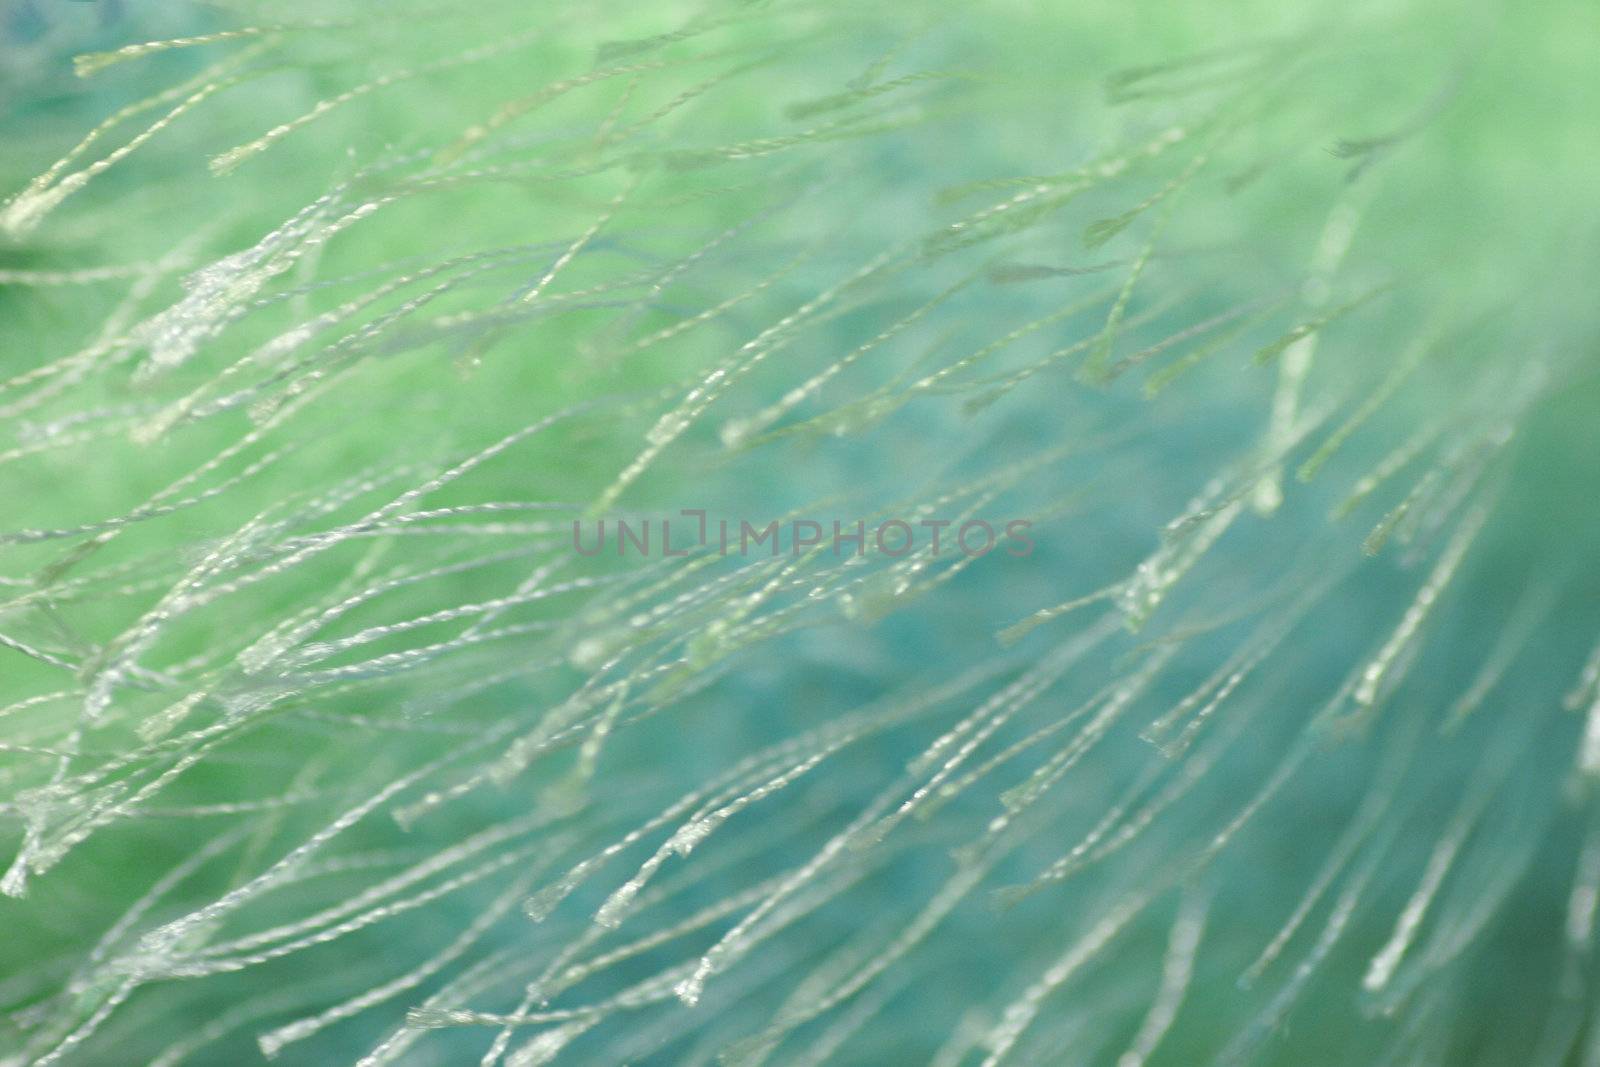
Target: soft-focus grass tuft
<point>320,743</point>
